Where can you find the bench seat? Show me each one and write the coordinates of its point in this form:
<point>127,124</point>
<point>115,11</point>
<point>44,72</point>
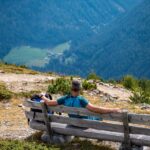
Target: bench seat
<point>92,133</point>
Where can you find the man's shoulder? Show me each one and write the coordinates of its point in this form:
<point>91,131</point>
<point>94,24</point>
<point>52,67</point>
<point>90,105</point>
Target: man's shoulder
<point>64,96</point>
<point>62,99</point>
<point>83,101</point>
<point>81,97</point>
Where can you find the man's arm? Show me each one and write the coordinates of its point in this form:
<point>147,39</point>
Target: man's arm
<point>49,102</point>
<point>102,110</point>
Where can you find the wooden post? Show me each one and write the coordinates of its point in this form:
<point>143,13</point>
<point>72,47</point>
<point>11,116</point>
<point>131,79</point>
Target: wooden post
<point>127,142</point>
<point>47,121</point>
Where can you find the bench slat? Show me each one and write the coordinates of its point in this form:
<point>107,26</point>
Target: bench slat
<point>90,123</point>
<point>78,111</point>
<point>92,133</point>
<point>142,119</point>
<point>32,104</point>
<point>79,122</point>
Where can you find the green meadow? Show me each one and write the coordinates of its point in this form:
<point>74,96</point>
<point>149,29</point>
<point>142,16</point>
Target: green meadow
<point>31,56</point>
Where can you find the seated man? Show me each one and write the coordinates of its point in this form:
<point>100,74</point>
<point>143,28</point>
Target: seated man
<point>75,100</point>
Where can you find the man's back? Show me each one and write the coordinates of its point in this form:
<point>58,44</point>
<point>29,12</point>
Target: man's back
<point>71,101</point>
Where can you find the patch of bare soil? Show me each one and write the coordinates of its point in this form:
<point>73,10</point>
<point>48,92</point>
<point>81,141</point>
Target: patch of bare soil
<point>13,123</point>
<point>26,82</point>
<point>115,91</point>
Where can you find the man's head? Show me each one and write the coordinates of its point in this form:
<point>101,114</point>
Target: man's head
<point>75,88</point>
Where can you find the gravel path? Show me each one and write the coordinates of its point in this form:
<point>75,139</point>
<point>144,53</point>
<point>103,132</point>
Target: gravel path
<point>115,91</point>
<point>13,123</point>
<point>26,82</point>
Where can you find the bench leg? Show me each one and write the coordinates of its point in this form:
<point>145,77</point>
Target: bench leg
<point>133,147</point>
<point>56,138</point>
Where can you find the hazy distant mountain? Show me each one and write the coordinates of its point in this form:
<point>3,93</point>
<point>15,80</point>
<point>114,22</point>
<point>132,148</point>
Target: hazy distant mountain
<point>123,49</point>
<point>47,23</point>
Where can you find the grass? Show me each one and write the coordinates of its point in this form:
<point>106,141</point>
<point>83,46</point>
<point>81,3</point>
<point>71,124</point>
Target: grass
<point>12,68</point>
<point>34,57</point>
<point>34,143</point>
<point>26,55</point>
<point>26,94</point>
<point>75,145</point>
<point>5,94</point>
<point>131,107</point>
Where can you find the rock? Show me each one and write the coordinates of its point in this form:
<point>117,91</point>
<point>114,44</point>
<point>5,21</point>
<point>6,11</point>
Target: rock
<point>38,81</point>
<point>145,106</point>
<point>107,98</point>
<point>1,71</point>
<point>56,138</point>
<point>96,91</point>
<point>124,100</point>
<point>107,84</point>
<point>24,83</point>
<point>101,83</point>
<point>90,81</point>
<point>115,96</point>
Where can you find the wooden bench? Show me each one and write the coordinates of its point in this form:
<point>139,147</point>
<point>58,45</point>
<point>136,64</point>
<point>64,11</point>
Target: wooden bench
<point>129,129</point>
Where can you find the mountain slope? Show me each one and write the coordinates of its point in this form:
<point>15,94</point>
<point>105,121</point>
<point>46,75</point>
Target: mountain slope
<point>44,24</point>
<point>128,51</point>
<point>123,49</point>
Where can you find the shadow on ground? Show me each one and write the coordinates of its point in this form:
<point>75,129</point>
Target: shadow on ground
<point>34,143</point>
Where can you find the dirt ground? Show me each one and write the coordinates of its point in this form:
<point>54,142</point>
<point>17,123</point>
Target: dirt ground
<point>117,91</point>
<point>26,82</point>
<point>13,124</point>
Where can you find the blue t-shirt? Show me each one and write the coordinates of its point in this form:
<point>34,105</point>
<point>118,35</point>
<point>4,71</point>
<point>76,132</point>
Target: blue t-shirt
<point>79,102</point>
<point>70,101</point>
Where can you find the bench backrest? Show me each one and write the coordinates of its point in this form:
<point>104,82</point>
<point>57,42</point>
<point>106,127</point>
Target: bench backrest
<point>124,123</point>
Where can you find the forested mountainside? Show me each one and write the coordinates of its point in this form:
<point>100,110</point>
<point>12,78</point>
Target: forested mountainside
<point>122,49</point>
<point>47,23</point>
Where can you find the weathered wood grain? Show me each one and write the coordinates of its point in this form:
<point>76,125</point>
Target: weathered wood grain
<point>108,126</point>
<point>92,133</point>
<point>127,142</point>
<point>78,111</point>
<point>142,119</point>
<point>32,104</point>
<point>47,121</point>
<point>79,122</point>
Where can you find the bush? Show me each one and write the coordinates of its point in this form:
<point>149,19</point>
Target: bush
<point>112,81</point>
<point>140,96</point>
<point>93,76</point>
<point>23,66</point>
<point>88,86</point>
<point>129,82</point>
<point>26,94</point>
<point>61,85</point>
<point>144,84</point>
<point>5,94</point>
